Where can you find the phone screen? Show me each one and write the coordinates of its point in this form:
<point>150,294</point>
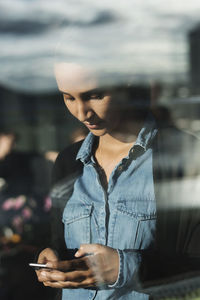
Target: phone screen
<point>38,266</point>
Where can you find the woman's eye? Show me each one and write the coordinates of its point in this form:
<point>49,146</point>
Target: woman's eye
<point>97,96</point>
<point>70,98</point>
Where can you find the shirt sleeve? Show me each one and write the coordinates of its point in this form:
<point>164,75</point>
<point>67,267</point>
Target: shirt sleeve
<point>129,264</point>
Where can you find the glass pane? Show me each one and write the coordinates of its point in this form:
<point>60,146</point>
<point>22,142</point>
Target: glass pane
<point>129,75</point>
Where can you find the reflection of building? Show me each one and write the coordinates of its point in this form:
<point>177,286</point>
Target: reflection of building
<point>40,120</point>
<point>194,40</point>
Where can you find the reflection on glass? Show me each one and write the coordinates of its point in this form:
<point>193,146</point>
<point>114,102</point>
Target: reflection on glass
<point>130,191</point>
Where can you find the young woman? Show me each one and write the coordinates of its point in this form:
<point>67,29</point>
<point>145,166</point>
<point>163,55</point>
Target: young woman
<point>109,213</point>
<point>105,185</point>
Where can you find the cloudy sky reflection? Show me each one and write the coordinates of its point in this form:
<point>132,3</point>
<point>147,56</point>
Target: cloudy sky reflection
<point>147,39</point>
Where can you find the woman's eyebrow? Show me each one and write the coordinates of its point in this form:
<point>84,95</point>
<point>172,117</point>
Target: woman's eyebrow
<point>65,93</point>
<point>92,91</point>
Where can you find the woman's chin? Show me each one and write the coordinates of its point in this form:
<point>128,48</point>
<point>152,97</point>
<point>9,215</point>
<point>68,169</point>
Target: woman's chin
<point>98,132</point>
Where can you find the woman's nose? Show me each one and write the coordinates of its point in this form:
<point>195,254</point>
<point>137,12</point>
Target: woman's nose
<point>84,111</point>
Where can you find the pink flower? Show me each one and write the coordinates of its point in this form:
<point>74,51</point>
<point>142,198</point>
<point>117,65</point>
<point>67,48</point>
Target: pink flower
<point>19,202</point>
<point>8,204</point>
<point>27,213</point>
<point>47,204</point>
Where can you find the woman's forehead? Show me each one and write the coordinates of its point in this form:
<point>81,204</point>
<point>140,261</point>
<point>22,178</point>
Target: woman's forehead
<point>74,77</point>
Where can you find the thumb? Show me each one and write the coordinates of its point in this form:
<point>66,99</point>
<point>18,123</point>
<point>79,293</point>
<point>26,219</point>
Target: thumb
<point>46,255</point>
<point>86,249</point>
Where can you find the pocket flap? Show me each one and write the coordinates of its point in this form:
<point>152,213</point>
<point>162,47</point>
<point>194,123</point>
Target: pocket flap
<point>75,212</point>
<point>137,214</point>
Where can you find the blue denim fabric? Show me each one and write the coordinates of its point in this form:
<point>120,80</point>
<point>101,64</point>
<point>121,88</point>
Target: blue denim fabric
<point>122,217</point>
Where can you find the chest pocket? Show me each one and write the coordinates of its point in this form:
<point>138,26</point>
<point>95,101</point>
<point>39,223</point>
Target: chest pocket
<point>134,231</point>
<point>77,224</point>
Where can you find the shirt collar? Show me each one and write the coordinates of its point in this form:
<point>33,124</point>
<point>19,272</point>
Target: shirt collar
<point>145,136</point>
<point>147,133</point>
<point>84,153</point>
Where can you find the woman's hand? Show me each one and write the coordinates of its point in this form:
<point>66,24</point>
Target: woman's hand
<point>94,265</point>
<point>47,255</point>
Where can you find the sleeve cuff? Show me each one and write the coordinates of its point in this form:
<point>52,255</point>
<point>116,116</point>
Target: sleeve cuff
<point>114,285</point>
<point>129,262</point>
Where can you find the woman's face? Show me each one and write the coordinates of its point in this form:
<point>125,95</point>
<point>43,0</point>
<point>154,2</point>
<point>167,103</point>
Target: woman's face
<point>89,104</point>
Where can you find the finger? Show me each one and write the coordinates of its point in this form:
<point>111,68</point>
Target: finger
<point>47,255</point>
<point>43,275</point>
<point>87,249</point>
<point>89,282</point>
<point>46,283</point>
<point>56,284</point>
<point>38,273</point>
<point>54,275</point>
<point>68,265</point>
<point>63,284</point>
<point>75,276</point>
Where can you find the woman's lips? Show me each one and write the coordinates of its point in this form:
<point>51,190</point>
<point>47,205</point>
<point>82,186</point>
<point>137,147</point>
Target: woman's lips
<point>92,126</point>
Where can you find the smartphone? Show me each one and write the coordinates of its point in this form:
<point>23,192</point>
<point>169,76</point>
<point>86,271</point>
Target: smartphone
<point>38,266</point>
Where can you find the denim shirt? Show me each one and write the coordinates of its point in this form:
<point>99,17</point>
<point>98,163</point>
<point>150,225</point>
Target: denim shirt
<point>122,217</point>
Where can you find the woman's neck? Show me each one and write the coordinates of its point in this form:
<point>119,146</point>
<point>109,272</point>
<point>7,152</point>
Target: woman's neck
<point>121,139</point>
<point>114,143</point>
